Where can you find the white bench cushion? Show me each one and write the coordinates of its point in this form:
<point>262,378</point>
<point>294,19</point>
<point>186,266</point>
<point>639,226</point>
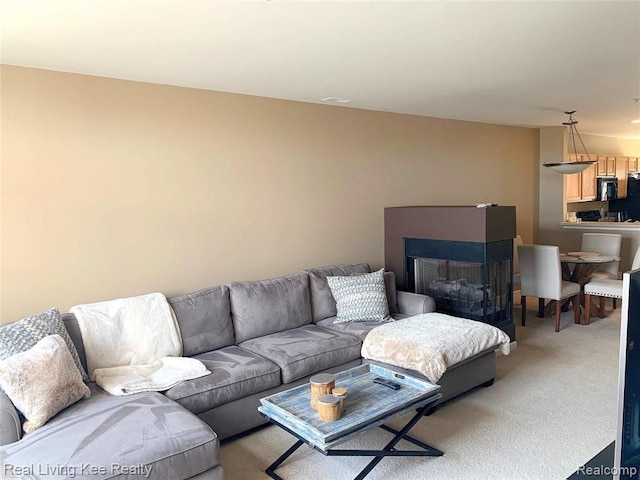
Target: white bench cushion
<point>604,288</point>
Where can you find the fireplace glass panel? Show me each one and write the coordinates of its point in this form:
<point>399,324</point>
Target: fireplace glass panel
<point>466,289</point>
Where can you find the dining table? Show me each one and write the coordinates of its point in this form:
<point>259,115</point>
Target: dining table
<point>578,267</point>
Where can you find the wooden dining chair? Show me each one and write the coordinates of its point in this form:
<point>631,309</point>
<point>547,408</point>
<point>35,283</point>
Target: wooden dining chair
<point>604,244</point>
<point>541,276</point>
<point>604,287</point>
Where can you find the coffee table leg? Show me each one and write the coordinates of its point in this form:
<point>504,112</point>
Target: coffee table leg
<point>271,468</point>
<point>433,452</point>
<point>394,441</point>
<point>388,450</point>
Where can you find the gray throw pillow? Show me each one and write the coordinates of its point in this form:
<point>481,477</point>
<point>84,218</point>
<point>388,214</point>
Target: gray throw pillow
<point>360,298</point>
<point>22,335</point>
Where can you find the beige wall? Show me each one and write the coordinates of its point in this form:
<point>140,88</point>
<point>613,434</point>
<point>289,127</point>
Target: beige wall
<point>597,145</point>
<point>113,188</point>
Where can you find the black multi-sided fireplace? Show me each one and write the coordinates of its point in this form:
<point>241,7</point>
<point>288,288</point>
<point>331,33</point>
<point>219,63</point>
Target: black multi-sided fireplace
<point>467,279</point>
<point>460,256</point>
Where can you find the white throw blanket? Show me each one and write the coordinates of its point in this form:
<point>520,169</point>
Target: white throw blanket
<point>160,375</point>
<point>131,344</point>
<point>431,342</point>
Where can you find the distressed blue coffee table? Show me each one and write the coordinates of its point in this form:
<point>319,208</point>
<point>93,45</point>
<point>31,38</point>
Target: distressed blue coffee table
<point>368,405</point>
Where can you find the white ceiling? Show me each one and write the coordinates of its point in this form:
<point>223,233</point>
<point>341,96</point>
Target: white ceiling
<point>512,63</point>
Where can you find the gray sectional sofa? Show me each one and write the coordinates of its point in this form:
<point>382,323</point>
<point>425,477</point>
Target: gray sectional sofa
<point>256,338</point>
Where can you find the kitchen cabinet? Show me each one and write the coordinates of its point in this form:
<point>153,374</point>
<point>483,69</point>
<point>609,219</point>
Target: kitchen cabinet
<point>573,187</point>
<point>633,164</point>
<point>580,186</point>
<point>601,166</point>
<point>622,172</point>
<point>588,183</point>
<point>606,166</point>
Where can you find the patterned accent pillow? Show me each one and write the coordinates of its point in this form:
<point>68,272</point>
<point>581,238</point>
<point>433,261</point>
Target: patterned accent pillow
<point>24,334</point>
<point>42,380</point>
<point>360,298</point>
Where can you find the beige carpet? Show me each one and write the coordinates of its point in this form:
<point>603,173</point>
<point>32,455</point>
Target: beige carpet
<point>552,408</point>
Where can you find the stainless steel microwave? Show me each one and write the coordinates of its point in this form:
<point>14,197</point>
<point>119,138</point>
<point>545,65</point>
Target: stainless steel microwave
<point>607,188</point>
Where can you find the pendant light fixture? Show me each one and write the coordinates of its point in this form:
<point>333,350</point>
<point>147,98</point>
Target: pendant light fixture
<point>577,166</point>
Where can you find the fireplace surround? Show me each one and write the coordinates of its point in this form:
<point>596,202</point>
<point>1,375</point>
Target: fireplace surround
<point>462,256</point>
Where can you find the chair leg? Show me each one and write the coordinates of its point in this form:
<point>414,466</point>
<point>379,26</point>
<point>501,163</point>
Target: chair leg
<point>615,303</point>
<point>523,303</point>
<point>576,308</point>
<point>558,307</point>
<point>601,309</point>
<point>541,307</point>
<point>587,309</point>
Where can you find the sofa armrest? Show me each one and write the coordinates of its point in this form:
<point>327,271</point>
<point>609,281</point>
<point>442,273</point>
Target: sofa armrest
<point>415,303</point>
<point>10,425</point>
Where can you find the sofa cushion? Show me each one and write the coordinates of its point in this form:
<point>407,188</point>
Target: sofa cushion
<point>358,329</point>
<point>270,306</point>
<point>22,335</point>
<point>145,432</point>
<point>323,304</point>
<point>10,421</point>
<point>391,291</point>
<point>235,373</point>
<point>305,350</point>
<point>360,298</point>
<point>205,320</point>
<point>42,381</point>
<point>71,325</point>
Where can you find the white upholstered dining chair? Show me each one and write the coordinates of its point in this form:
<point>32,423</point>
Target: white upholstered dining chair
<point>541,276</point>
<point>516,261</point>
<point>604,244</point>
<point>605,287</point>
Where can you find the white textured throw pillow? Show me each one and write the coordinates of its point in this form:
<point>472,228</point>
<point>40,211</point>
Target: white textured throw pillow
<point>42,381</point>
<point>360,298</point>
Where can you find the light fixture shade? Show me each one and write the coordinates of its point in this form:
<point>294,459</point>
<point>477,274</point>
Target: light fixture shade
<point>567,168</point>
